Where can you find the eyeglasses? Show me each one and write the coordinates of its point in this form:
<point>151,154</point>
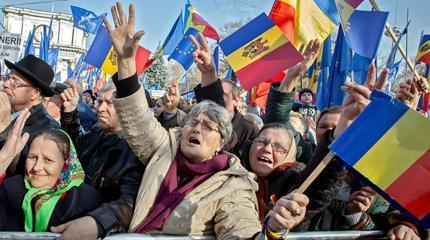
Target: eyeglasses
<point>276,147</point>
<point>14,82</point>
<point>205,125</point>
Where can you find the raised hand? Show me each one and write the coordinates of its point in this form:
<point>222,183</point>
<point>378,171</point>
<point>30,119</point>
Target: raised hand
<point>359,97</point>
<point>5,109</point>
<point>204,60</point>
<point>408,93</point>
<point>360,201</point>
<point>310,54</point>
<point>15,142</point>
<point>288,212</point>
<point>70,98</point>
<point>172,97</point>
<point>124,40</point>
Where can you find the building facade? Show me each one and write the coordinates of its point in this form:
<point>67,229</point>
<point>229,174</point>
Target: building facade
<point>70,40</point>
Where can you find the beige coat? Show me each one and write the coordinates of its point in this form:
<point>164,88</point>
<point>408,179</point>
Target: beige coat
<point>224,205</point>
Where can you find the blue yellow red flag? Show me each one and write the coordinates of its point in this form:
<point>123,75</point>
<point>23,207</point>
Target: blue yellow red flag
<point>192,19</point>
<point>388,146</point>
<point>423,54</point>
<point>259,51</point>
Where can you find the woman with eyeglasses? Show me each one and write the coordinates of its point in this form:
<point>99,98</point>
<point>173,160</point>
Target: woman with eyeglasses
<point>190,186</point>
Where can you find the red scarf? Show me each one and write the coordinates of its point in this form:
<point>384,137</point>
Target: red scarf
<point>181,178</point>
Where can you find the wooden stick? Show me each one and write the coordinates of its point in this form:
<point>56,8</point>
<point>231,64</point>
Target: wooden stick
<point>393,36</point>
<point>323,164</point>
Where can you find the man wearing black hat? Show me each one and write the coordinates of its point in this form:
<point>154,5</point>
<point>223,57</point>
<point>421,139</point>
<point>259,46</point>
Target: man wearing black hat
<point>27,83</point>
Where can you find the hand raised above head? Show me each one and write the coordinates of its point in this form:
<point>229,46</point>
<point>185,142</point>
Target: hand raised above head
<point>204,60</point>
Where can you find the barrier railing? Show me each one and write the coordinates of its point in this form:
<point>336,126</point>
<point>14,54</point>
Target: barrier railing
<point>120,236</point>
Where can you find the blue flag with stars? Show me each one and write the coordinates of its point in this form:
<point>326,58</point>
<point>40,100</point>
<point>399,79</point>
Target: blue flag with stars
<point>86,20</point>
<point>183,53</point>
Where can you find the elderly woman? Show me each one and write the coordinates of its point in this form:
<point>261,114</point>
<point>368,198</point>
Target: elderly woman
<point>190,185</point>
<point>52,191</point>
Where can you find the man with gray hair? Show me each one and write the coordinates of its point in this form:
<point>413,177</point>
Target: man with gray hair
<point>110,166</point>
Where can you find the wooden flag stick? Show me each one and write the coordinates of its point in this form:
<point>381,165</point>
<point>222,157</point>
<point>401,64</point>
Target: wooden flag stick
<point>323,164</point>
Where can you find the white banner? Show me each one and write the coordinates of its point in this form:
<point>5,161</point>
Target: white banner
<point>157,93</point>
<point>10,46</point>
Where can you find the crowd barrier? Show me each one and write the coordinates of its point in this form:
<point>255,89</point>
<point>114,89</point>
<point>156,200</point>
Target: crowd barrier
<point>126,236</point>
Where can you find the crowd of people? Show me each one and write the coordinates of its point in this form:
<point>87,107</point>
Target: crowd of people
<point>86,166</point>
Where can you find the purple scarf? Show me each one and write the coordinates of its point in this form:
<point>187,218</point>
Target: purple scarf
<point>181,178</point>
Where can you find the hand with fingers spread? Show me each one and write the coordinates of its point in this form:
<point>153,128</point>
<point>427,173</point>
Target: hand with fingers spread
<point>402,232</point>
<point>5,109</point>
<point>15,142</point>
<point>125,40</point>
<point>70,98</point>
<point>359,97</point>
<point>172,98</point>
<point>360,201</point>
<point>409,93</point>
<point>288,212</point>
<point>310,54</point>
<point>204,60</point>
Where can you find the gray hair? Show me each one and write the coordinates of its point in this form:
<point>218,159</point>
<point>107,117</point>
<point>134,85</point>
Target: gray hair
<point>255,119</point>
<point>215,113</point>
<point>108,86</point>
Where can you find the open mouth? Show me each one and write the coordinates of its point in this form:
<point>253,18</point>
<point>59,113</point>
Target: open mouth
<point>264,159</point>
<point>194,140</point>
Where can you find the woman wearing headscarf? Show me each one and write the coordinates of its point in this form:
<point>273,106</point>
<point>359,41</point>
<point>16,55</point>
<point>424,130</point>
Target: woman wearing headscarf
<point>51,192</point>
<point>190,186</point>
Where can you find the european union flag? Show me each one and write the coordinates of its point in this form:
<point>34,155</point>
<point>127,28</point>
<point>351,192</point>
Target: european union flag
<point>175,35</point>
<point>183,53</point>
<point>86,20</point>
<point>362,37</point>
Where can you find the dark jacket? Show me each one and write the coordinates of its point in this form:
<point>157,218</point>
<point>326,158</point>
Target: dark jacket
<point>87,117</point>
<point>306,109</point>
<point>278,109</point>
<point>244,131</point>
<point>172,120</point>
<point>112,168</point>
<point>75,204</point>
<point>38,122</point>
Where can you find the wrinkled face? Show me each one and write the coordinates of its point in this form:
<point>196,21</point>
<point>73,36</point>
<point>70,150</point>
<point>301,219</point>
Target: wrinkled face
<point>18,90</point>
<point>201,139</point>
<point>44,163</point>
<point>106,114</point>
<point>306,98</point>
<point>230,102</point>
<point>86,97</point>
<point>269,151</point>
<point>159,107</point>
<point>53,106</point>
<point>328,121</point>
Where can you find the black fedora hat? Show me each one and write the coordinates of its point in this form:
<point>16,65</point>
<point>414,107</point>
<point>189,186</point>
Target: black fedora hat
<point>37,72</point>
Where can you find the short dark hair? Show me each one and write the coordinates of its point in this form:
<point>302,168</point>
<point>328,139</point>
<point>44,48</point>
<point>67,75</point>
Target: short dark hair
<point>336,109</point>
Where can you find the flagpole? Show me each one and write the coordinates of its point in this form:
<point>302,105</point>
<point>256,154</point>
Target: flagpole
<point>407,44</point>
<point>393,36</point>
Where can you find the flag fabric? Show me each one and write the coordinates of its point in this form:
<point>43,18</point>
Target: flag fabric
<point>423,54</point>
<point>322,89</point>
<point>192,19</point>
<point>216,58</point>
<point>53,56</point>
<point>259,51</point>
<point>174,36</point>
<point>29,47</point>
<point>230,74</point>
<point>183,53</point>
<point>305,20</point>
<point>44,44</point>
<point>101,54</point>
<point>86,20</point>
<point>359,67</point>
<point>362,37</point>
<point>386,145</point>
<point>258,95</point>
<point>426,97</point>
<point>392,57</point>
<point>346,8</point>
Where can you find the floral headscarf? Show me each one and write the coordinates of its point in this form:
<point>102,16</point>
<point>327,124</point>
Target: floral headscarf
<point>72,175</point>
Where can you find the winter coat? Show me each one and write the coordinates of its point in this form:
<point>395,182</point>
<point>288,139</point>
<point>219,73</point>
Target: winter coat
<point>75,204</point>
<point>224,205</point>
<point>111,167</point>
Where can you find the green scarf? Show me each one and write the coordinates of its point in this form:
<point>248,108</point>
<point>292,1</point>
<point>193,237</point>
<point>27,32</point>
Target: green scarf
<point>72,175</point>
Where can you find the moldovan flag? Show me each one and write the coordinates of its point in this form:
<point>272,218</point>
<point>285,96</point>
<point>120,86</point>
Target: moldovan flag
<point>305,20</point>
<point>101,54</point>
<point>388,145</point>
<point>259,51</point>
<point>193,19</point>
<point>423,54</point>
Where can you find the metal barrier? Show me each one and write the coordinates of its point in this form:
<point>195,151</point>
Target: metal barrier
<point>120,236</point>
